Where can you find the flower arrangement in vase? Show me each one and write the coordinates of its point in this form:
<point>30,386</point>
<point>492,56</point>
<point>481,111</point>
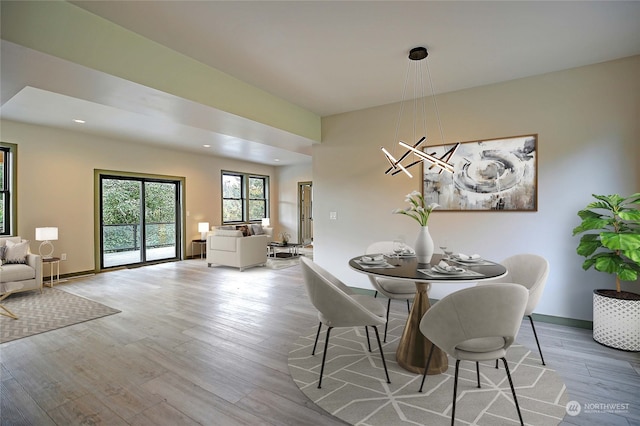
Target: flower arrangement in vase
<point>284,238</point>
<point>420,212</point>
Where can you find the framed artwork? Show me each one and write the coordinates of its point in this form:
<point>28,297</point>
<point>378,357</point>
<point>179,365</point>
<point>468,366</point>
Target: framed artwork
<point>489,175</point>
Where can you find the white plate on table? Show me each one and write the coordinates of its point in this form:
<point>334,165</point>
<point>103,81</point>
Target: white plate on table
<point>477,260</point>
<point>406,255</point>
<point>373,262</point>
<point>456,271</point>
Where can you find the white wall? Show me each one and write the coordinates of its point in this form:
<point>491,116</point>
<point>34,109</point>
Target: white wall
<point>588,142</point>
<point>55,184</point>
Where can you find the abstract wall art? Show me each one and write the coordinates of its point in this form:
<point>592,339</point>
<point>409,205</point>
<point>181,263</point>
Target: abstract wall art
<point>489,175</point>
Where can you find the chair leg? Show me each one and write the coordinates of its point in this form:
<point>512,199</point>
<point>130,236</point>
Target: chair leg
<point>324,357</point>
<point>366,330</point>
<point>387,323</point>
<point>478,372</point>
<point>513,391</point>
<point>426,367</point>
<point>313,352</point>
<point>408,307</point>
<point>536,336</point>
<point>384,364</point>
<point>375,294</point>
<point>455,393</point>
<point>496,364</point>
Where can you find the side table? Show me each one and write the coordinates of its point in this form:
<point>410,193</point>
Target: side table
<point>202,243</point>
<point>52,261</point>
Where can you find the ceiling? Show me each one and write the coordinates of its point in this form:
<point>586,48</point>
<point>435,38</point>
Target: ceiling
<point>327,57</point>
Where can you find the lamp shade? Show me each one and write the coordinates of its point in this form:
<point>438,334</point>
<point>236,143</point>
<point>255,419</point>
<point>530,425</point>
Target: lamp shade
<point>47,234</point>
<point>266,221</point>
<point>203,228</point>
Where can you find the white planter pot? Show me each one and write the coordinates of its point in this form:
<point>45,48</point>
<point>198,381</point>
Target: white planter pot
<point>616,321</point>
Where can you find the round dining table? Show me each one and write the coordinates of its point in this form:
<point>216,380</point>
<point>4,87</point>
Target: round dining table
<point>413,347</point>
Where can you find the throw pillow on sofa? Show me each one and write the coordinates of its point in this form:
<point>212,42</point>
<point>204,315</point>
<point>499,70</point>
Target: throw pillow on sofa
<point>244,229</point>
<point>16,252</point>
<point>256,229</point>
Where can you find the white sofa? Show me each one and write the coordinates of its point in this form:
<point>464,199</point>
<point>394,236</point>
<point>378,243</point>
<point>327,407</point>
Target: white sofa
<point>28,274</point>
<point>230,248</point>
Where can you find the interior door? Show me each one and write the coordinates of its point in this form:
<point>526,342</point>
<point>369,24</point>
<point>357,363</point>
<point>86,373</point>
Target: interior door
<point>305,202</point>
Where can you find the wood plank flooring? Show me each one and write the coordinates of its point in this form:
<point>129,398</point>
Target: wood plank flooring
<point>196,345</point>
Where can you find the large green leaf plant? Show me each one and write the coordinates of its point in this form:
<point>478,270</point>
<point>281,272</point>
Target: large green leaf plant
<point>611,240</point>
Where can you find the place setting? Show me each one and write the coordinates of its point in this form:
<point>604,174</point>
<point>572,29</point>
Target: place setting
<point>370,262</point>
<point>472,260</point>
<point>446,269</point>
<point>443,269</point>
<point>401,250</point>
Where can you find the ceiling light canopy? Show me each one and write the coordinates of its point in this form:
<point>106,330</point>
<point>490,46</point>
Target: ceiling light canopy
<point>416,56</point>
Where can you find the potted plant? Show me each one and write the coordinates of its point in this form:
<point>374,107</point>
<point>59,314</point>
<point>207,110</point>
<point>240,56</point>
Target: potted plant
<point>611,243</point>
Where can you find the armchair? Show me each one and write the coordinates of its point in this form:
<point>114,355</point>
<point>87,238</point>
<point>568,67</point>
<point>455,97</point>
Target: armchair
<point>230,248</point>
<point>29,274</point>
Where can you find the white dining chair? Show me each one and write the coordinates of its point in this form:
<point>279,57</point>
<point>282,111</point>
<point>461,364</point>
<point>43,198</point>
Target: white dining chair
<point>339,306</point>
<point>476,324</point>
<point>530,271</point>
<point>388,287</point>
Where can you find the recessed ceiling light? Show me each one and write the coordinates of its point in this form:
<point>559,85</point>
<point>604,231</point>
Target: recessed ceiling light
<point>276,159</point>
<point>207,146</point>
<point>77,120</point>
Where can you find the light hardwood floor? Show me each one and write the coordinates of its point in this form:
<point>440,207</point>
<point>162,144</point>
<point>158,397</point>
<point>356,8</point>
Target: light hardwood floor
<point>197,345</point>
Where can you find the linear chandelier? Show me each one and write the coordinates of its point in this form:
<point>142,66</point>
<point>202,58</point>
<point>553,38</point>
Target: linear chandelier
<point>416,56</point>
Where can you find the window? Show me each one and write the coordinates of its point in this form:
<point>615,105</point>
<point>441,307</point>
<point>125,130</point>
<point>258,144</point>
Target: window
<point>7,188</point>
<point>244,197</point>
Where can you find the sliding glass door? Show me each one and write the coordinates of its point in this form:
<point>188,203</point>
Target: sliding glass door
<point>140,220</point>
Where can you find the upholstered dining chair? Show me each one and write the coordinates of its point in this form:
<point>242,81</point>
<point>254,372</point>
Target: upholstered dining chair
<point>531,271</point>
<point>390,288</point>
<point>476,324</point>
<point>339,306</point>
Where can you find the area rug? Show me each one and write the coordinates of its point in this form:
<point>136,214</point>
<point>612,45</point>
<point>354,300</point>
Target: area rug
<point>48,310</point>
<point>281,263</point>
<point>354,388</point>
<point>288,262</point>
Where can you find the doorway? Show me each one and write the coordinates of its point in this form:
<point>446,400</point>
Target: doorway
<point>305,212</point>
<point>139,220</point>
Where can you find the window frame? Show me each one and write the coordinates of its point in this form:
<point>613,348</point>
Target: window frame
<point>8,151</point>
<point>245,197</point>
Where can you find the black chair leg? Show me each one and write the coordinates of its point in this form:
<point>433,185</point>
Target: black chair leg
<point>375,294</point>
<point>426,367</point>
<point>366,330</point>
<point>496,364</point>
<point>385,326</point>
<point>408,307</point>
<point>513,391</point>
<point>384,364</point>
<point>478,372</point>
<point>324,357</point>
<point>313,352</point>
<point>455,393</point>
<point>536,336</point>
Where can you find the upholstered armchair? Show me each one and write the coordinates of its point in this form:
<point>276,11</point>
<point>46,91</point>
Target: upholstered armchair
<point>231,248</point>
<point>25,269</point>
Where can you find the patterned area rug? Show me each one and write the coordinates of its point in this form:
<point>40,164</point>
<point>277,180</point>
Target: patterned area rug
<point>354,388</point>
<point>40,312</point>
<point>281,263</point>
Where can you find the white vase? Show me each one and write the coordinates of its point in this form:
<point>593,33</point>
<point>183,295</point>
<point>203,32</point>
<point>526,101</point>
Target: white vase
<point>424,245</point>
